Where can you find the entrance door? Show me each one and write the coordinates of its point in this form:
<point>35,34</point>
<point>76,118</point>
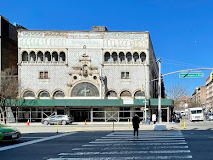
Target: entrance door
<point>80,115</point>
<point>164,115</point>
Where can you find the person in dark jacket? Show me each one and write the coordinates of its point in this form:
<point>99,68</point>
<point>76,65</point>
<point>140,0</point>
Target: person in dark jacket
<point>135,123</point>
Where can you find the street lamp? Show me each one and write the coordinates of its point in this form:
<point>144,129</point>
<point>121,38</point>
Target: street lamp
<point>145,101</point>
<point>159,91</point>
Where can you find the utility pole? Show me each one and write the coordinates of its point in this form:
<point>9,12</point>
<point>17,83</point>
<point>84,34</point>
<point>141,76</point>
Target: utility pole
<point>159,91</point>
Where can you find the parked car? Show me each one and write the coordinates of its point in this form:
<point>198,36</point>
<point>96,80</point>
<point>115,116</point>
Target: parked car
<point>61,119</point>
<point>8,133</point>
<point>183,113</point>
<point>209,117</point>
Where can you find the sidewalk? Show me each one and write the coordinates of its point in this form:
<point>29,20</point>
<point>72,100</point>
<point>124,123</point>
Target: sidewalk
<point>90,126</point>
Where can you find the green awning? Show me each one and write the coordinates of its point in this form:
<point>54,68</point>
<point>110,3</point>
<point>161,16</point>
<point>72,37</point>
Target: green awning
<point>88,102</point>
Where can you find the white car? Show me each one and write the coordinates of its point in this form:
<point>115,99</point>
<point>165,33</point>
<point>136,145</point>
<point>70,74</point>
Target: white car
<point>209,117</point>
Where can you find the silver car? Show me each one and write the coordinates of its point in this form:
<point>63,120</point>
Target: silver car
<point>60,119</point>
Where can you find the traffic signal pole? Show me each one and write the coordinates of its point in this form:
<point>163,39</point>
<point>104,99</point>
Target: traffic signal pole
<point>159,84</point>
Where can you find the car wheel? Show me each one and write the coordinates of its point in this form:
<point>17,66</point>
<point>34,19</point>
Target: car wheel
<point>63,122</point>
<point>45,122</point>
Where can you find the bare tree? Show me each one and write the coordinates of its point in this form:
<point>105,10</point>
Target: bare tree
<point>176,92</point>
<point>9,89</point>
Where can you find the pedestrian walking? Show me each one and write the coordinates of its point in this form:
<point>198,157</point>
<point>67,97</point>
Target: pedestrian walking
<point>154,118</point>
<point>135,123</point>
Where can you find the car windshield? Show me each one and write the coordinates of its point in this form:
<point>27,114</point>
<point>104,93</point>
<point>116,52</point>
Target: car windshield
<point>53,117</point>
<point>196,112</point>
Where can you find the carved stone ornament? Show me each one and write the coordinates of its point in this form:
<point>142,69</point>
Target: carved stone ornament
<point>85,67</point>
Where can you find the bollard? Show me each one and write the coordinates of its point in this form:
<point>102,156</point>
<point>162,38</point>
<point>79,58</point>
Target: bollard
<point>180,122</point>
<point>57,127</point>
<point>128,123</point>
<point>184,124</point>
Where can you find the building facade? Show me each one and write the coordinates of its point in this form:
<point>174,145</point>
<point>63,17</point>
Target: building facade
<point>8,44</point>
<point>199,96</point>
<point>97,75</point>
<point>209,92</point>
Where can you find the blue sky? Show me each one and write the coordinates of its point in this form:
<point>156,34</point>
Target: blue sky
<point>181,30</point>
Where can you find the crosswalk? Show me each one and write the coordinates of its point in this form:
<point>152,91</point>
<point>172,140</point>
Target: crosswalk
<point>123,146</point>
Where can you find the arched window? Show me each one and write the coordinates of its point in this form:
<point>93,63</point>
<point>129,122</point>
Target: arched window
<point>143,57</point>
<point>58,94</point>
<point>29,94</point>
<point>40,57</point>
<point>62,57</point>
<point>32,56</point>
<point>136,57</point>
<point>121,57</point>
<point>106,57</point>
<point>47,57</point>
<point>125,94</point>
<point>25,56</point>
<point>139,94</point>
<point>129,57</point>
<point>85,89</point>
<point>114,57</point>
<point>44,94</point>
<point>55,57</point>
<point>111,94</point>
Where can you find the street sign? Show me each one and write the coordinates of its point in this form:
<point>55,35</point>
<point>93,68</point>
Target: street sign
<point>191,75</point>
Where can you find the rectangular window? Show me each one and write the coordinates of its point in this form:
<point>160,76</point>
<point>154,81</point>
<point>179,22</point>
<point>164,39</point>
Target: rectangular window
<point>43,75</point>
<point>124,75</point>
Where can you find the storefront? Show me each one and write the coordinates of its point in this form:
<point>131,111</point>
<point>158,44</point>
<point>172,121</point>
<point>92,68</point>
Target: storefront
<point>98,110</point>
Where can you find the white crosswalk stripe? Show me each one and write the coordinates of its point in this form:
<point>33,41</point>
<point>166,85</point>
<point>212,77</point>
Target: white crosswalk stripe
<point>123,146</point>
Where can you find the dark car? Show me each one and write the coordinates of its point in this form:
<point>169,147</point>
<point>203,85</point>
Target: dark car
<point>61,119</point>
<point>8,133</point>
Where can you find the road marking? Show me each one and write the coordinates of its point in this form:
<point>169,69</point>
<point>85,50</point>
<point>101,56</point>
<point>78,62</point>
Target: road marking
<point>129,148</point>
<point>130,136</point>
<point>134,141</point>
<point>35,141</point>
<point>133,144</point>
<point>138,139</point>
<point>122,146</point>
<point>127,158</point>
<point>31,137</point>
<point>122,152</point>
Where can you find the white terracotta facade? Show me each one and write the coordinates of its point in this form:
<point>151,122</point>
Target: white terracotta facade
<point>117,64</point>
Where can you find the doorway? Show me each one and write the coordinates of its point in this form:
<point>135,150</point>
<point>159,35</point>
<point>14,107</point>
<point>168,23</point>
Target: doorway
<point>80,115</point>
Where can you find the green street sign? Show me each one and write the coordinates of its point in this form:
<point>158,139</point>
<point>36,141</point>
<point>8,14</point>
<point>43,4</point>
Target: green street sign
<point>191,75</point>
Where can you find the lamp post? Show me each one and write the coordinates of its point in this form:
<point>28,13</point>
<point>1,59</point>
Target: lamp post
<point>145,101</point>
<point>159,91</point>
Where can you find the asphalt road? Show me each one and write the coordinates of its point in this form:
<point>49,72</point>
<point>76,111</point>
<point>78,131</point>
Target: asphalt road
<point>189,144</point>
<point>195,142</point>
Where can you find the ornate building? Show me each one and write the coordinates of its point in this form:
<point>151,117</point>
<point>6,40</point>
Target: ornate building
<point>96,75</point>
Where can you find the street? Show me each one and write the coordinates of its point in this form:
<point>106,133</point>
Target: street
<point>191,143</point>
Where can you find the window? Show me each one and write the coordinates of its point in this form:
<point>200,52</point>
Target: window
<point>43,75</point>
<point>124,75</point>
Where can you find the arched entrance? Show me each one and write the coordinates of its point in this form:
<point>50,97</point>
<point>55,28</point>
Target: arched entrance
<point>85,89</point>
